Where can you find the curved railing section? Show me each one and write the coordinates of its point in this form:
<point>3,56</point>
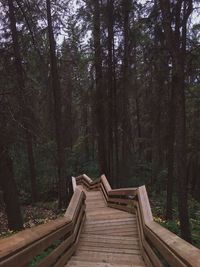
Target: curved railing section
<point>61,234</point>
<point>159,246</point>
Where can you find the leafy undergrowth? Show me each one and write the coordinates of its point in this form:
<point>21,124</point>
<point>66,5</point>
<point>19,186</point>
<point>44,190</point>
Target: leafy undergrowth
<point>33,215</point>
<point>158,207</point>
<point>44,254</point>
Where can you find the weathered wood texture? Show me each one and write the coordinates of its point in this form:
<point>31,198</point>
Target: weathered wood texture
<point>109,237</point>
<point>119,231</point>
<point>158,245</point>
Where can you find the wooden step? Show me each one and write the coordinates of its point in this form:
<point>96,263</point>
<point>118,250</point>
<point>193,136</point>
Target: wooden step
<point>76,263</point>
<point>109,238</point>
<point>108,257</point>
<point>84,247</point>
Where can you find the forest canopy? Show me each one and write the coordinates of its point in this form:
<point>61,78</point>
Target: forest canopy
<point>95,87</point>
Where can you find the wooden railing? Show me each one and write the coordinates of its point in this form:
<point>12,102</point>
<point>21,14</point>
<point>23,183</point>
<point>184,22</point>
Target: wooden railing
<point>61,234</point>
<point>159,246</point>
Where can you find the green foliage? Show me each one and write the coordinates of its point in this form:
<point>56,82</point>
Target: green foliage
<point>45,165</point>
<point>140,172</point>
<point>45,253</point>
<point>79,162</point>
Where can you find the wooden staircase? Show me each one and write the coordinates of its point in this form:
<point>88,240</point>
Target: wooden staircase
<point>109,238</point>
<point>102,227</point>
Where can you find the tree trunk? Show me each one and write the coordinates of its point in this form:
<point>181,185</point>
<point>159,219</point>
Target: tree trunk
<point>170,156</point>
<point>8,185</point>
<point>22,99</point>
<point>180,151</point>
<point>100,92</point>
<point>31,161</point>
<point>125,103</point>
<point>57,111</point>
<point>110,79</point>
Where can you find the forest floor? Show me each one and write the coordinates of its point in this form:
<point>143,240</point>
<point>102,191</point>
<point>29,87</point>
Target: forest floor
<point>33,215</point>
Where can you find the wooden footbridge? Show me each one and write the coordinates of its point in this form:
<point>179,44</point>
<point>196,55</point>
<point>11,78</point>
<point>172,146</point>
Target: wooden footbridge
<point>101,228</point>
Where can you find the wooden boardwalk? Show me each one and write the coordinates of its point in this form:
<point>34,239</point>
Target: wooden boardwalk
<point>102,227</point>
<point>109,237</point>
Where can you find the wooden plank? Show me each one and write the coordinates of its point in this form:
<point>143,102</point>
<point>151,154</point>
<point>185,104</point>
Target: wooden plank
<point>63,260</point>
<point>109,250</point>
<point>110,226</point>
<point>110,241</point>
<point>123,192</point>
<point>94,207</point>
<point>96,196</point>
<point>120,200</point>
<point>110,216</point>
<point>104,192</point>
<point>105,211</point>
<point>144,205</point>
<point>88,182</point>
<point>148,261</point>
<point>113,239</point>
<point>112,220</point>
<point>53,256</point>
<point>21,240</point>
<point>23,256</point>
<point>74,183</point>
<point>75,263</point>
<point>112,211</point>
<point>150,258</point>
<point>109,235</point>
<point>175,250</point>
<point>105,183</point>
<point>100,243</point>
<point>74,205</point>
<point>124,234</point>
<point>121,207</point>
<point>128,228</point>
<point>87,178</point>
<point>79,178</point>
<point>108,257</point>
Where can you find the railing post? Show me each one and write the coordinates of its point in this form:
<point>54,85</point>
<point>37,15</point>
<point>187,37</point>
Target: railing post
<point>69,189</point>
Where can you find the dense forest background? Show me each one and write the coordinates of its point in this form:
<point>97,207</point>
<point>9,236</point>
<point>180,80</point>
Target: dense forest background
<point>110,86</point>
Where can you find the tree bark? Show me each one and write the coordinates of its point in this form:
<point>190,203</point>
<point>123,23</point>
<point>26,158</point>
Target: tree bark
<point>170,156</point>
<point>100,92</point>
<point>125,103</point>
<point>10,194</point>
<point>31,161</point>
<point>110,79</point>
<point>180,152</point>
<point>57,111</point>
<point>22,99</point>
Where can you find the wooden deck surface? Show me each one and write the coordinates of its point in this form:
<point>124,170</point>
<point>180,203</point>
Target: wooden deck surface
<point>109,237</point>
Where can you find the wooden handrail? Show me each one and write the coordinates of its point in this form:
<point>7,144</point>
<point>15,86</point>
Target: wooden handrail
<point>159,245</point>
<point>74,183</point>
<point>19,249</point>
